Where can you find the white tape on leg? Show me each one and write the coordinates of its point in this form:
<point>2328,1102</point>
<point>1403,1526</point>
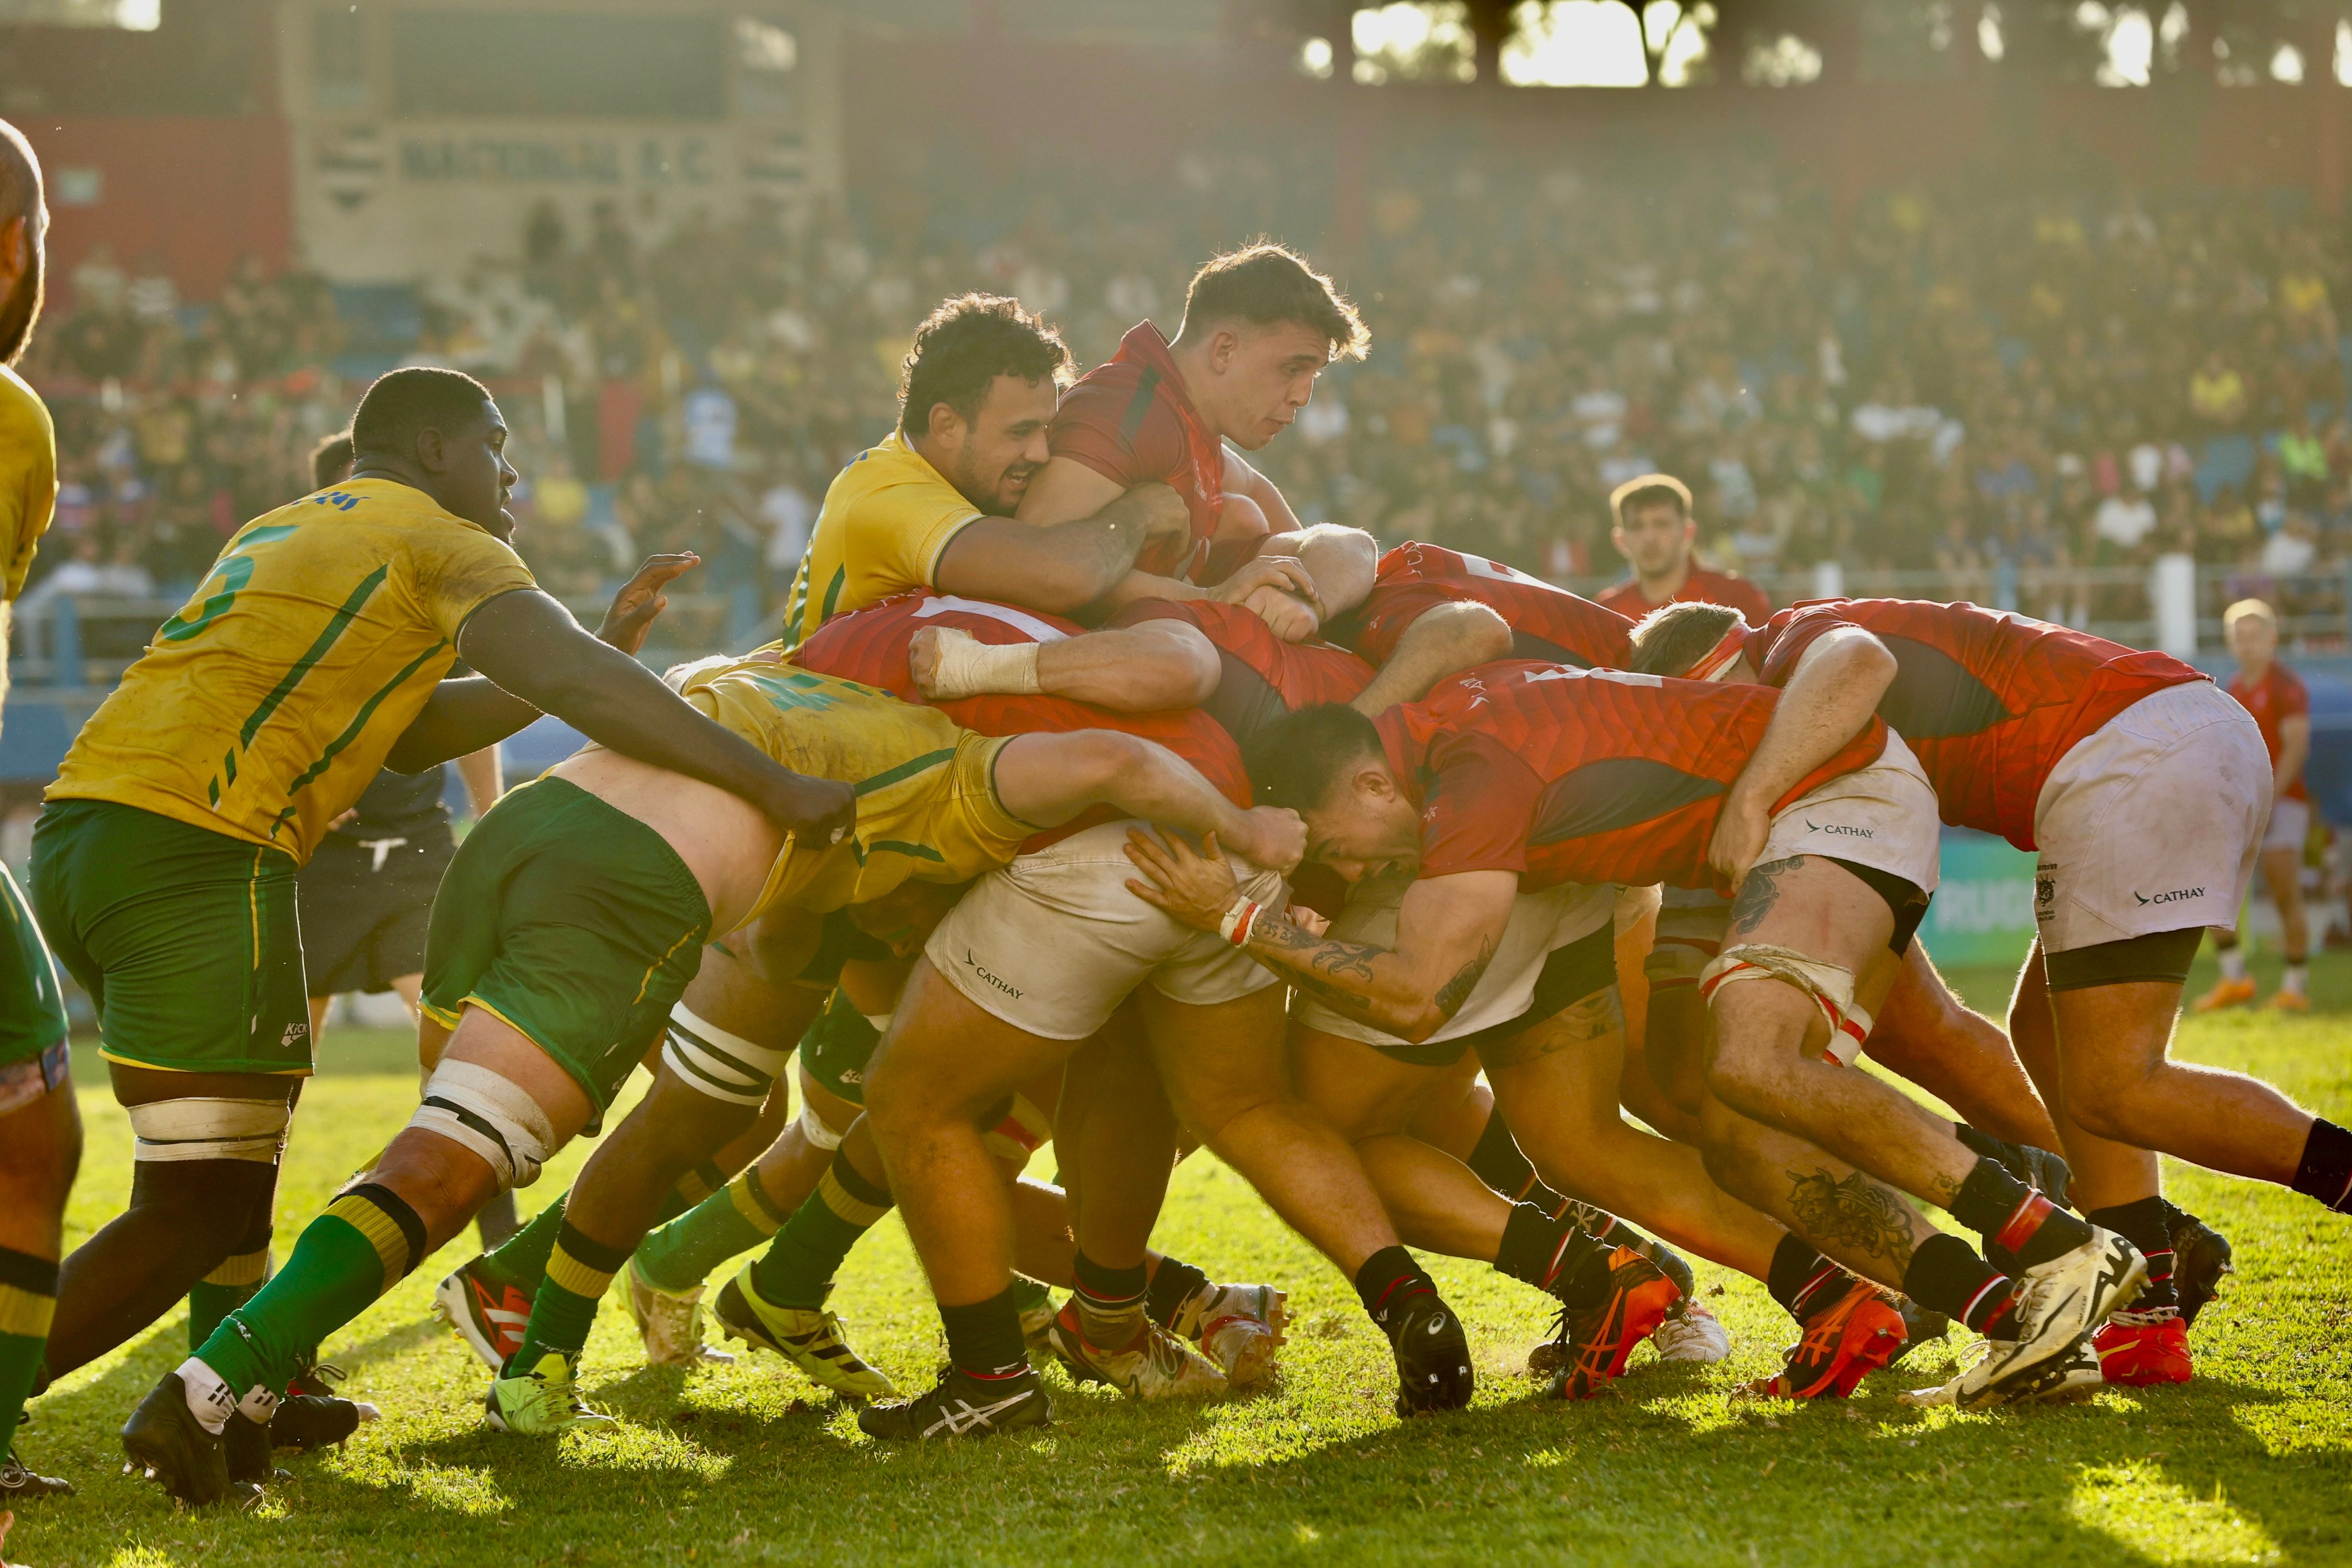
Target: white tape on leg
<point>1831,986</point>
<point>969,668</point>
<point>495,1118</point>
<point>171,1130</point>
<point>721,1065</point>
<point>815,1133</point>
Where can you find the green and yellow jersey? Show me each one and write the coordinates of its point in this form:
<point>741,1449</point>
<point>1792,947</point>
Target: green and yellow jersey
<point>262,708</point>
<point>29,490</point>
<point>927,805</point>
<point>885,522</point>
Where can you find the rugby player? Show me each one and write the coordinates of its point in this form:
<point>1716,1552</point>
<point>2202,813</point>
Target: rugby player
<point>1654,530</point>
<point>1518,777</point>
<point>2282,707</point>
<point>2144,791</point>
<point>40,1130</point>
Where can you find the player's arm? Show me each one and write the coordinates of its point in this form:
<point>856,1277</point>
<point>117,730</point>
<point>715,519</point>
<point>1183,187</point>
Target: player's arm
<point>1447,930</point>
<point>484,779</point>
<point>1444,639</point>
<point>1067,565</point>
<point>1048,779</point>
<point>1830,697</point>
<point>1156,663</point>
<point>1242,480</point>
<point>1067,489</point>
<point>2295,751</point>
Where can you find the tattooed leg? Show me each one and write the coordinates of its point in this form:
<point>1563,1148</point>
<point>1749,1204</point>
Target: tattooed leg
<point>1863,1224</point>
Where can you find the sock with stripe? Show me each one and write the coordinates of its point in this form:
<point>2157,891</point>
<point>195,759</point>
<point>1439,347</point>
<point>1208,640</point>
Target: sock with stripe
<point>1388,1278</point>
<point>1554,1255</point>
<point>1946,1276</point>
<point>1799,1275</point>
<point>223,1291</point>
<point>579,1271</point>
<point>2008,1213</point>
<point>28,1298</point>
<point>730,1222</point>
<point>1173,1285</point>
<point>2326,1173</point>
<point>984,1339</point>
<point>1109,1301</point>
<point>2146,1225</point>
<point>1497,1161</point>
<point>363,1244</point>
<point>521,1261</point>
<point>798,1265</point>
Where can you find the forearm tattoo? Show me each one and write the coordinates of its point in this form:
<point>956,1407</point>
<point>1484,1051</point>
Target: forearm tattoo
<point>1856,1212</point>
<point>1318,964</point>
<point>1456,991</point>
<point>1758,893</point>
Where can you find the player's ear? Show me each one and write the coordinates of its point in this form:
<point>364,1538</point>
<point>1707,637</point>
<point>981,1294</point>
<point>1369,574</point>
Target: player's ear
<point>944,424</point>
<point>432,451</point>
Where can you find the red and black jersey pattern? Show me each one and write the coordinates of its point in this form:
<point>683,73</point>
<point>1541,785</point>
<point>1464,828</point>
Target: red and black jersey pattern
<point>1566,776</point>
<point>1989,699</point>
<point>1548,623</point>
<point>1261,679</point>
<point>1129,420</point>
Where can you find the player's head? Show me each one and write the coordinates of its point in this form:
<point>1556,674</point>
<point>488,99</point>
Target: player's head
<point>1692,642</point>
<point>1653,526</point>
<point>978,393</point>
<point>1328,764</point>
<point>24,231</point>
<point>2251,628</point>
<point>330,460</point>
<point>441,431</point>
<point>1259,326</point>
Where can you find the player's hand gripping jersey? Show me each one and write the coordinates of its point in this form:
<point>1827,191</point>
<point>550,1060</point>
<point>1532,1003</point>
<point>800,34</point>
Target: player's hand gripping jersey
<point>1547,623</point>
<point>262,710</point>
<point>1989,700</point>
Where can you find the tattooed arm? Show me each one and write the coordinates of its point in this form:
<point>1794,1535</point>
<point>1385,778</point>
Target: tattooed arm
<point>1835,690</point>
<point>1446,933</point>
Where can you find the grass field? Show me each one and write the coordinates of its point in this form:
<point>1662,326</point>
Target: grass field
<point>744,1463</point>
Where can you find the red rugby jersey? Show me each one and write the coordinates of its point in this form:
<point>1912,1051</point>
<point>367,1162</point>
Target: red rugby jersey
<point>1570,776</point>
<point>1261,678</point>
<point>1989,699</point>
<point>2277,696</point>
<point>1548,623</point>
<point>870,646</point>
<point>1701,587</point>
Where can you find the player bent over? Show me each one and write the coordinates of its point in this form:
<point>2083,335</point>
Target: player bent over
<point>1534,774</point>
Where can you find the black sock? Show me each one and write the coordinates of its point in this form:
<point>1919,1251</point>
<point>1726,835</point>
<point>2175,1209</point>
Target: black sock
<point>1547,1253</point>
<point>2145,1226</point>
<point>985,1338</point>
<point>1798,1273</point>
<point>1173,1283</point>
<point>2326,1173</point>
<point>2007,1212</point>
<point>1498,1161</point>
<point>1388,1278</point>
<point>1946,1276</point>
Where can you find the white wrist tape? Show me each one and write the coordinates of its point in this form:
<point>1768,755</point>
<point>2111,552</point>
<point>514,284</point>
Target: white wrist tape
<point>721,1065</point>
<point>1831,986</point>
<point>171,1130</point>
<point>815,1133</point>
<point>1238,920</point>
<point>475,1107</point>
<point>969,667</point>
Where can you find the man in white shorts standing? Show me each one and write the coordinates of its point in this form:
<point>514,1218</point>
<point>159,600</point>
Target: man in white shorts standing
<point>2281,709</point>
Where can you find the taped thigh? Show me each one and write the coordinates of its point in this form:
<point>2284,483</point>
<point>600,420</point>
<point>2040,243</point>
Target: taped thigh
<point>1020,1132</point>
<point>721,1065</point>
<point>1830,985</point>
<point>194,1128</point>
<point>470,1105</point>
<point>814,1130</point>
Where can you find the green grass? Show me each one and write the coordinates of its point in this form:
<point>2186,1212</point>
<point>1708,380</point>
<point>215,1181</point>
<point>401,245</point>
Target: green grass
<point>2251,1463</point>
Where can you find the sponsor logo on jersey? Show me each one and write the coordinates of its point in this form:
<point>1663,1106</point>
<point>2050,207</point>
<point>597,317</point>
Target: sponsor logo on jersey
<point>2177,896</point>
<point>985,973</point>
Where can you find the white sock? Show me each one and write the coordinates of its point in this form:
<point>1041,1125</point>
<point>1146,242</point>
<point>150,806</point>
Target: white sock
<point>210,1399</point>
<point>2296,977</point>
<point>2233,963</point>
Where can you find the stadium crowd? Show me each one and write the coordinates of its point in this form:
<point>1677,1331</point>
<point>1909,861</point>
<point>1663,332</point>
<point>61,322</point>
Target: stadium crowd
<point>2056,380</point>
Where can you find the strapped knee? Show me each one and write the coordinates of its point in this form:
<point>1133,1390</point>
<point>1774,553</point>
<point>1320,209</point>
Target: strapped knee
<point>815,1133</point>
<point>721,1065</point>
<point>498,1119</point>
<point>1686,941</point>
<point>1021,1132</point>
<point>1831,986</point>
<point>169,1130</point>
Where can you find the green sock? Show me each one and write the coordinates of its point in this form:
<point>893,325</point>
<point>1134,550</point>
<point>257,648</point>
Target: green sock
<point>223,1291</point>
<point>362,1245</point>
<point>28,1298</point>
<point>798,1266</point>
<point>564,1309</point>
<point>521,1261</point>
<point>730,1222</point>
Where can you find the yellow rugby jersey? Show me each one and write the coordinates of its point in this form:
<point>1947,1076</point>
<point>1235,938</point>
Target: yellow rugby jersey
<point>262,708</point>
<point>887,520</point>
<point>29,481</point>
<point>927,807</point>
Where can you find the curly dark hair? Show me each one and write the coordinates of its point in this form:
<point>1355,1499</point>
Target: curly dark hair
<point>967,343</point>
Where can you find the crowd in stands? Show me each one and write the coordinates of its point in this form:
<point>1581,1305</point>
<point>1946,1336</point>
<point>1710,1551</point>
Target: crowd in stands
<point>1981,388</point>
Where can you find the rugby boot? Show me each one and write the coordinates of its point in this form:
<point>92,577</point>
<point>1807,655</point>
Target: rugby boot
<point>2288,1002</point>
<point>312,1414</point>
<point>486,1312</point>
<point>961,1405</point>
<point>1155,1365</point>
<point>1595,1339</point>
<point>166,1442</point>
<point>1920,1326</point>
<point>1432,1354</point>
<point>2059,1304</point>
<point>1846,1340</point>
<point>2141,1350</point>
<point>812,1341</point>
<point>2200,1261</point>
<point>1238,1327</point>
<point>541,1402</point>
<point>20,1485</point>
<point>1691,1333</point>
<point>669,1322</point>
<point>2226,993</point>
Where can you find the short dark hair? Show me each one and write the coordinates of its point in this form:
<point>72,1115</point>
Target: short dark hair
<point>967,343</point>
<point>404,404</point>
<point>1268,284</point>
<point>1673,637</point>
<point>1294,760</point>
<point>331,459</point>
<point>1649,490</point>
